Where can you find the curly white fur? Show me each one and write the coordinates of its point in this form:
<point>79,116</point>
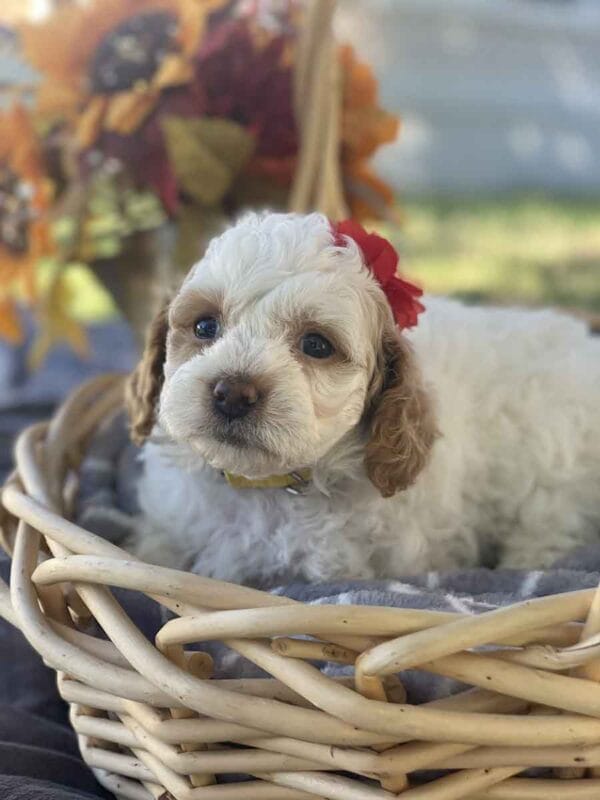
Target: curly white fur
<point>514,477</point>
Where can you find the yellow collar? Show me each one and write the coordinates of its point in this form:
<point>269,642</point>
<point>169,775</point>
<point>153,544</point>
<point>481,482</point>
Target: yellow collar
<point>293,482</point>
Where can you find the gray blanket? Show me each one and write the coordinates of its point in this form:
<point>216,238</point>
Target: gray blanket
<point>39,758</point>
<point>29,396</point>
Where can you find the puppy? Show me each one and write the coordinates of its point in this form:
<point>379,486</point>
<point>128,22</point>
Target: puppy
<point>292,430</point>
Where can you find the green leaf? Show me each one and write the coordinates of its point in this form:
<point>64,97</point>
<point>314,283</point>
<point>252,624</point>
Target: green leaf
<point>207,155</point>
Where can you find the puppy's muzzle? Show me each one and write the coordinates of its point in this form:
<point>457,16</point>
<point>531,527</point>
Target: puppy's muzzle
<point>234,398</point>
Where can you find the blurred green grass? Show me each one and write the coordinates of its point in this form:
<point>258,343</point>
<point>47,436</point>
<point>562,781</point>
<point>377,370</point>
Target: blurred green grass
<point>527,250</point>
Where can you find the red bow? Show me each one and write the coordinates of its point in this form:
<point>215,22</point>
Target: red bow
<point>382,261</point>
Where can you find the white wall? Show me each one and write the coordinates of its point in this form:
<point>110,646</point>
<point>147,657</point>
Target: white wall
<point>495,94</point>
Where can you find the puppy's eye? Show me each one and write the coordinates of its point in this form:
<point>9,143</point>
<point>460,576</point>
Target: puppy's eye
<point>206,328</point>
<point>316,346</point>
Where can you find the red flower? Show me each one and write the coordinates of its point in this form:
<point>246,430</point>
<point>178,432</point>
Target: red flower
<point>382,261</point>
<point>249,80</point>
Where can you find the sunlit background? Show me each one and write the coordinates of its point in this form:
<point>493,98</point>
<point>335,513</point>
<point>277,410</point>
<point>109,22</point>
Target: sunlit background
<point>497,168</point>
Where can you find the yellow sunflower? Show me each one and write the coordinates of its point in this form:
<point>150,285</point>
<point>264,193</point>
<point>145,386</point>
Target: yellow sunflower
<point>25,196</point>
<point>107,62</point>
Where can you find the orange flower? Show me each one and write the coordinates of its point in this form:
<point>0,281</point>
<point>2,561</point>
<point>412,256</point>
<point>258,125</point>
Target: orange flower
<point>365,127</point>
<point>106,63</point>
<point>369,196</point>
<point>25,196</point>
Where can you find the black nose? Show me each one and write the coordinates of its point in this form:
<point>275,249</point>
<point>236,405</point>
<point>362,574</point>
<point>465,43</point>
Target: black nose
<point>234,398</point>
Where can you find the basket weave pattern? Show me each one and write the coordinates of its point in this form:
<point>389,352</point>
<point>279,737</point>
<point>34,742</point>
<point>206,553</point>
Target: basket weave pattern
<point>153,722</point>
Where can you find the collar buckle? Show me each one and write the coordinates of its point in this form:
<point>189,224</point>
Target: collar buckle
<point>298,488</point>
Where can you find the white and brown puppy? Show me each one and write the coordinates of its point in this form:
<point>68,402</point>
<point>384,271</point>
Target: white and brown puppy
<point>473,438</point>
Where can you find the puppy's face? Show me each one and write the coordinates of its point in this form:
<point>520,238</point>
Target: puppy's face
<point>276,346</point>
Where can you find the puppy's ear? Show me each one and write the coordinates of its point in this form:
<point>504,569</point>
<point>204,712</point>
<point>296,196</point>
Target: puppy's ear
<point>401,420</point>
<point>144,384</point>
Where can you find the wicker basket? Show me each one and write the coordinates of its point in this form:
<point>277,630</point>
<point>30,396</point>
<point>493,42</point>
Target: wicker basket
<point>153,723</point>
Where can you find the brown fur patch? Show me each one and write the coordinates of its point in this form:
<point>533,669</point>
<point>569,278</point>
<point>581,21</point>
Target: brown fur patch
<point>144,384</point>
<point>183,345</point>
<point>401,420</point>
<point>186,309</point>
<point>189,306</point>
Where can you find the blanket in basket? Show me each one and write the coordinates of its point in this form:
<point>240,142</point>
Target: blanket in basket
<point>107,504</point>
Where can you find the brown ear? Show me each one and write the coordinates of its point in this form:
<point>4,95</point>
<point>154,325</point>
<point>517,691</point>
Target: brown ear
<point>144,384</point>
<point>402,424</point>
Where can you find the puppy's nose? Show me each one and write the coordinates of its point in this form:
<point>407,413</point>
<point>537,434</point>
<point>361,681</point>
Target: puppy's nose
<point>234,398</point>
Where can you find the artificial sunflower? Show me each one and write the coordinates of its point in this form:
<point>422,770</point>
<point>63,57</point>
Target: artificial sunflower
<point>365,127</point>
<point>25,196</point>
<point>108,62</point>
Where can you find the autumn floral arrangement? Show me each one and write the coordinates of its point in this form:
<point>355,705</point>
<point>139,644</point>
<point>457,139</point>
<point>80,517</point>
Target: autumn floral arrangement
<point>149,122</point>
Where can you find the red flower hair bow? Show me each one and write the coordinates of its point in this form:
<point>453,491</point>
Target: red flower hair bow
<point>382,261</point>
